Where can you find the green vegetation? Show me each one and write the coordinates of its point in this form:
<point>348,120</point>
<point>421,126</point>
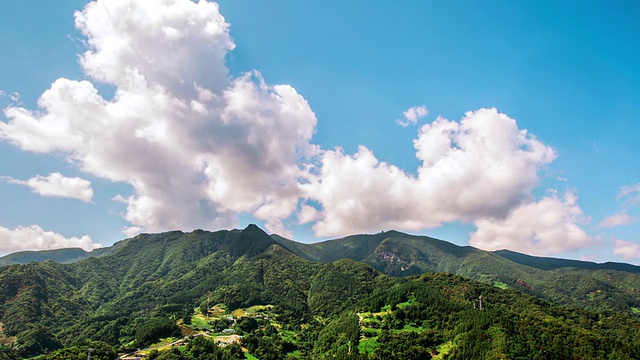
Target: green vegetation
<point>191,287</point>
<point>501,285</point>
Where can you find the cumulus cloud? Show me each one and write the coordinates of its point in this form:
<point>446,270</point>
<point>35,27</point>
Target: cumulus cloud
<point>35,238</point>
<point>196,145</point>
<point>412,115</point>
<point>618,219</point>
<point>626,250</point>
<point>549,226</point>
<point>481,166</point>
<point>57,185</point>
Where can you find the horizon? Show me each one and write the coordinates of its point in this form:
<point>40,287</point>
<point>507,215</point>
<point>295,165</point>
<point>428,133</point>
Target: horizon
<point>509,126</point>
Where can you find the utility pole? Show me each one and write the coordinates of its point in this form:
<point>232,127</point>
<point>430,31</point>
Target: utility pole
<point>208,306</point>
<point>480,298</point>
<point>89,350</point>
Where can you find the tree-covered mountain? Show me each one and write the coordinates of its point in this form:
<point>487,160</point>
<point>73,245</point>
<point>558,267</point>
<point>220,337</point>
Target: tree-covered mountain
<point>321,304</point>
<point>611,286</point>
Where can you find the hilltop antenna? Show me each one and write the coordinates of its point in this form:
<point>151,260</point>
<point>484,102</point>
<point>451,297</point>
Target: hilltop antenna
<point>89,350</point>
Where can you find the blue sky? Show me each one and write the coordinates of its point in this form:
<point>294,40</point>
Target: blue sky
<point>339,162</point>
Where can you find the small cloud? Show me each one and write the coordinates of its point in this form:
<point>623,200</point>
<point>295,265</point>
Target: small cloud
<point>547,227</point>
<point>588,257</point>
<point>119,198</point>
<point>626,250</point>
<point>15,97</point>
<point>277,227</point>
<point>412,115</point>
<point>35,238</point>
<point>631,193</point>
<point>307,214</point>
<point>57,185</point>
<point>132,231</point>
<point>618,219</point>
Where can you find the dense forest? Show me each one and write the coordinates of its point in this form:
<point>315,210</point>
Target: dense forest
<point>191,291</point>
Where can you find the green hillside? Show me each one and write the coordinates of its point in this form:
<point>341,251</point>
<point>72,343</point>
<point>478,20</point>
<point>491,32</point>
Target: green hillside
<point>155,288</point>
<point>609,286</point>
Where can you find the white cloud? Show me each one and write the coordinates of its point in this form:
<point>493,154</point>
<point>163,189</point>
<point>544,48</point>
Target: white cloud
<point>549,226</point>
<point>57,185</point>
<point>307,214</point>
<point>196,146</point>
<point>627,250</point>
<point>482,166</point>
<point>618,219</point>
<point>35,238</point>
<point>631,193</point>
<point>131,231</point>
<point>412,115</point>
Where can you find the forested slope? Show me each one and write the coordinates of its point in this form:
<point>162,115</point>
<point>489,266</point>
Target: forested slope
<point>346,308</point>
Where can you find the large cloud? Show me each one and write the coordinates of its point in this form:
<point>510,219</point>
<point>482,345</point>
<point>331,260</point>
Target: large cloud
<point>479,167</point>
<point>57,185</point>
<point>196,146</point>
<point>35,238</point>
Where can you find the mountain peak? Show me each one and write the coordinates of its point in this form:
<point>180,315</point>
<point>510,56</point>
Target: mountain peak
<point>251,242</point>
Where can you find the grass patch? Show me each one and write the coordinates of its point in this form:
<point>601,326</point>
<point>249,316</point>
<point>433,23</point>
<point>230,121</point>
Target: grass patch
<point>444,350</point>
<point>411,301</point>
<point>367,346</point>
<point>186,330</point>
<point>294,354</point>
<point>238,313</point>
<point>413,328</point>
<point>635,310</point>
<point>218,310</point>
<point>501,285</point>
<point>370,320</point>
<point>200,322</point>
<point>250,357</point>
<point>258,309</point>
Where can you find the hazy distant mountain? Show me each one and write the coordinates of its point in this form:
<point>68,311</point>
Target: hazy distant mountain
<point>57,255</point>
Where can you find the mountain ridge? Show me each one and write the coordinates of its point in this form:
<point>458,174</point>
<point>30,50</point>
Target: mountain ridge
<point>563,281</point>
<point>318,251</point>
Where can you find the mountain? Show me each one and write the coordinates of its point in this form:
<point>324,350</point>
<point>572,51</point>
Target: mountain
<point>547,263</point>
<point>68,255</point>
<point>57,255</point>
<point>321,305</point>
<point>611,286</point>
